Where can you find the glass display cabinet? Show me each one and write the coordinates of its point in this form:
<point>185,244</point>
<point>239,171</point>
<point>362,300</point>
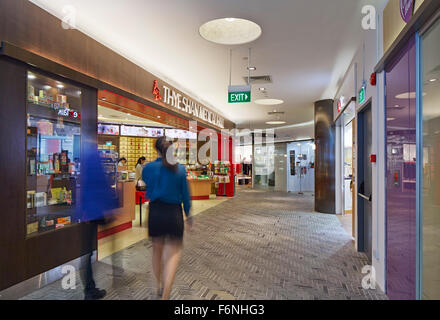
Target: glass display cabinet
<point>53,153</point>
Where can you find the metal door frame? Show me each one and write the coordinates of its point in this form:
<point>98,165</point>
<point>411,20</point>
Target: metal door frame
<point>360,173</point>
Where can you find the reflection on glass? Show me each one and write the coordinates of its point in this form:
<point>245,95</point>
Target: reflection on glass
<point>401,220</point>
<point>431,165</point>
<point>53,153</point>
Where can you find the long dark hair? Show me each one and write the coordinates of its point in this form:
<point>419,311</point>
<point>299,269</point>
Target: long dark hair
<point>140,160</point>
<point>162,145</point>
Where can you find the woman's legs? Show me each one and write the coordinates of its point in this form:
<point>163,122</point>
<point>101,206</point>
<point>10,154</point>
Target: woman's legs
<point>158,245</point>
<point>172,253</point>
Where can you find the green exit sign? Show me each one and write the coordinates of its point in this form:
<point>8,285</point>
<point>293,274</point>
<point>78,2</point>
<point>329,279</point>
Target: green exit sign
<point>239,97</point>
<point>239,94</point>
<point>362,94</point>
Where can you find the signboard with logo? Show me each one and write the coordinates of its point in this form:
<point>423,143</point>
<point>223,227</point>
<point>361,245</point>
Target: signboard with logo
<point>181,102</point>
<point>406,9</point>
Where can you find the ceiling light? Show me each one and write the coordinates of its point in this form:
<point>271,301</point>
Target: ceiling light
<point>276,122</point>
<point>433,80</point>
<point>262,89</point>
<point>391,119</point>
<point>60,86</point>
<point>230,31</point>
<point>103,99</point>
<point>31,76</point>
<point>46,87</point>
<point>100,116</point>
<point>158,117</point>
<point>408,95</point>
<point>268,102</point>
<point>251,68</point>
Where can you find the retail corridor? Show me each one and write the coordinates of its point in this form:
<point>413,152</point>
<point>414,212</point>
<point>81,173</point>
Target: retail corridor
<point>258,245</point>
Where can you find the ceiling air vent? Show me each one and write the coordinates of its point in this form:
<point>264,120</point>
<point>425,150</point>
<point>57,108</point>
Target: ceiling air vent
<point>259,79</point>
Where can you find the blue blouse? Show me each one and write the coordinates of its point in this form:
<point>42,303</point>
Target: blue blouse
<point>167,186</point>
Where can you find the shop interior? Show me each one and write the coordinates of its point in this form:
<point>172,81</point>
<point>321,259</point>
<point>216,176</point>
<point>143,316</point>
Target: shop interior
<point>243,160</point>
<point>127,129</point>
<point>347,177</point>
<point>301,166</point>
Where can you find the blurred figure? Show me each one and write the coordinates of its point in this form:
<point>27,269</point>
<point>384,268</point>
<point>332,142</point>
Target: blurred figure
<point>122,162</point>
<point>96,200</point>
<point>167,189</point>
<point>140,184</point>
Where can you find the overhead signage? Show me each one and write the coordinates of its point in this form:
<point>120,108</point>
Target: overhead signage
<point>362,94</point>
<point>180,134</point>
<point>239,94</point>
<point>108,129</point>
<point>406,9</point>
<point>141,132</point>
<point>185,104</point>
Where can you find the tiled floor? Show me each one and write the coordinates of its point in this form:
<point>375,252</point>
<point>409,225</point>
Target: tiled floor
<point>109,245</point>
<point>259,245</point>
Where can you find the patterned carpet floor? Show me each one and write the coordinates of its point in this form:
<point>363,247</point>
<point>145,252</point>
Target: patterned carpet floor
<point>258,245</point>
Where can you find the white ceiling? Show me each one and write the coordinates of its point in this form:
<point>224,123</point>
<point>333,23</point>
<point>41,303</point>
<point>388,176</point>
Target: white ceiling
<point>306,46</point>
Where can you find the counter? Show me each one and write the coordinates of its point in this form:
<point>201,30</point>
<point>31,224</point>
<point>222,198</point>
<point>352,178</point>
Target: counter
<point>123,215</point>
<point>200,189</point>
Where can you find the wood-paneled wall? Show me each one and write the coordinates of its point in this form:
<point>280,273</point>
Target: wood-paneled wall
<point>21,258</point>
<point>29,27</point>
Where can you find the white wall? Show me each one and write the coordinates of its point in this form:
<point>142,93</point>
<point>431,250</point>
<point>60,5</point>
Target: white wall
<point>372,39</point>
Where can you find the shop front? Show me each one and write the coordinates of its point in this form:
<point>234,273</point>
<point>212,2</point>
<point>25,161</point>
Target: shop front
<point>410,67</point>
<point>128,130</point>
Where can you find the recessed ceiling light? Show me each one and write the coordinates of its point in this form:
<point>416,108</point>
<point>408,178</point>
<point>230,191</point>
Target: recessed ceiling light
<point>31,76</point>
<point>60,86</point>
<point>276,122</point>
<point>262,89</point>
<point>103,99</point>
<point>433,80</point>
<point>268,102</point>
<point>251,68</point>
<point>158,117</point>
<point>230,32</point>
<point>46,87</point>
<point>391,119</point>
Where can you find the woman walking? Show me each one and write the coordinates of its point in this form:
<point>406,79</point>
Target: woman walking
<point>167,189</point>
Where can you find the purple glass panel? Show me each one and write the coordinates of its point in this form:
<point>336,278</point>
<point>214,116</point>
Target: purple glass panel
<point>401,175</point>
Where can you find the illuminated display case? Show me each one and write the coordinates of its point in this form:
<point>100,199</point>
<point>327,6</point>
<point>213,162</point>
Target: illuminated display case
<point>53,153</point>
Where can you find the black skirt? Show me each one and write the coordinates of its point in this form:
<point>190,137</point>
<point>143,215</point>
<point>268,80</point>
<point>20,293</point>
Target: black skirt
<point>165,220</point>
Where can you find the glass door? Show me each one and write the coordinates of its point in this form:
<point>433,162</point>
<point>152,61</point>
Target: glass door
<point>430,184</point>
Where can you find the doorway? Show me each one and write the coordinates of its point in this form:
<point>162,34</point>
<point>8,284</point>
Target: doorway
<point>365,217</point>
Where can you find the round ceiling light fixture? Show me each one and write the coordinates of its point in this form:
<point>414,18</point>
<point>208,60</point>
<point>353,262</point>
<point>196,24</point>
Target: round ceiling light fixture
<point>230,31</point>
<point>276,122</point>
<point>269,102</point>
